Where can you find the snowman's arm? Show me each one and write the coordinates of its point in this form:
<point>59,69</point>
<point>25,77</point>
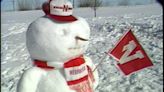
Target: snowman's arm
<point>29,80</point>
<point>95,73</point>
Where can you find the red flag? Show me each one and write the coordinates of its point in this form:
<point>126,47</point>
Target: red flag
<point>130,55</point>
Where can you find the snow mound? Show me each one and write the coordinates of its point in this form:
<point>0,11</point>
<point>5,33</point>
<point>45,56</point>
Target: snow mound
<point>105,32</point>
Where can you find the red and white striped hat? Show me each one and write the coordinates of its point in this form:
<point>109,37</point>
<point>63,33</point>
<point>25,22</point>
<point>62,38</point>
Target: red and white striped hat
<point>61,10</point>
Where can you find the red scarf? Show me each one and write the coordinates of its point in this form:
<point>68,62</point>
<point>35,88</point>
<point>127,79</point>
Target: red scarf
<point>78,75</point>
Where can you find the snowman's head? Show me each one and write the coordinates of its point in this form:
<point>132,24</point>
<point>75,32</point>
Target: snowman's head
<point>51,41</point>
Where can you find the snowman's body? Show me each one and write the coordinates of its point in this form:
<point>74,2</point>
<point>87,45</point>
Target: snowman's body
<point>39,80</point>
<point>56,43</point>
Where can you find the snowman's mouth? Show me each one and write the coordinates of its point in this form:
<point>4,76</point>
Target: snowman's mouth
<point>76,48</point>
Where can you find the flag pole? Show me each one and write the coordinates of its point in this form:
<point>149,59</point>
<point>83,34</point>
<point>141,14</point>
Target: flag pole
<point>102,59</point>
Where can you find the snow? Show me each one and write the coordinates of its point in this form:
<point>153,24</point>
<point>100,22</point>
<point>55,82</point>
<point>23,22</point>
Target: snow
<point>106,29</point>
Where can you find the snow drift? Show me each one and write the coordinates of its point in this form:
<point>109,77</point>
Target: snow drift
<point>145,21</point>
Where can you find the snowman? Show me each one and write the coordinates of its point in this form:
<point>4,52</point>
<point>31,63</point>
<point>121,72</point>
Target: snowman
<point>56,43</point>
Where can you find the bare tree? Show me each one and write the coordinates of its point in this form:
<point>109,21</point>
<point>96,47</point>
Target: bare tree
<point>94,4</point>
<point>73,3</point>
<point>30,4</point>
<point>26,4</point>
<point>97,3</point>
<point>13,4</point>
<point>124,2</point>
<point>85,3</point>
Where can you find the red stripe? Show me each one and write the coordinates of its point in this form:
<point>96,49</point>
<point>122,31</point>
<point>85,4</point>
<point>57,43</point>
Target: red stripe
<point>64,8</point>
<point>78,80</point>
<point>42,64</point>
<point>58,7</point>
<point>74,62</point>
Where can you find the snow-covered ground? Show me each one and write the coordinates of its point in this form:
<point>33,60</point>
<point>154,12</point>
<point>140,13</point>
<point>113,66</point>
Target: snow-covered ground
<point>145,21</point>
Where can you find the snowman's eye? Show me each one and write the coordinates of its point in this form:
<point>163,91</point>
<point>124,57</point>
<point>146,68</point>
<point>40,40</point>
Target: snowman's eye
<point>62,32</point>
<point>65,32</point>
<point>59,32</point>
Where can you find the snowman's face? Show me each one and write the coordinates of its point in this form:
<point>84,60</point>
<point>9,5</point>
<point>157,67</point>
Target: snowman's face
<point>50,41</point>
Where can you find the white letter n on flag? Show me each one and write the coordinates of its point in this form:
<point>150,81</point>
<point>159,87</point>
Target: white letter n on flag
<point>130,55</point>
<point>126,57</point>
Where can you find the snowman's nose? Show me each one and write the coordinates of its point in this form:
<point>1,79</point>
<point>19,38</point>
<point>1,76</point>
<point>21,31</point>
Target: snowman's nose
<point>80,38</point>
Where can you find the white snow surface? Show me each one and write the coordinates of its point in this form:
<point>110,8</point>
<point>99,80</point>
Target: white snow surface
<point>106,29</point>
